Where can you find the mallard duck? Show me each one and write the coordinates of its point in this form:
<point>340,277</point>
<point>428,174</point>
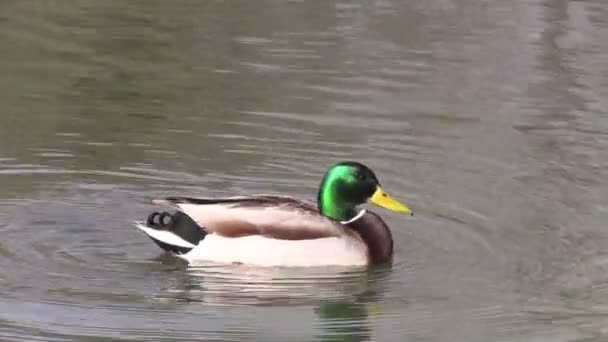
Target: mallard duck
<point>272,230</point>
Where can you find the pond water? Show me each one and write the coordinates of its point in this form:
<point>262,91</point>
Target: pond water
<point>490,119</point>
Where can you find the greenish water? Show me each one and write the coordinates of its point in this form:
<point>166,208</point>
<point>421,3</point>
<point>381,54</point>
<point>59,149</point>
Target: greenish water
<point>490,119</point>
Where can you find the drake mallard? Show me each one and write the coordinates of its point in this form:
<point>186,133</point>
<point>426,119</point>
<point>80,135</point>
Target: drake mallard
<point>272,230</point>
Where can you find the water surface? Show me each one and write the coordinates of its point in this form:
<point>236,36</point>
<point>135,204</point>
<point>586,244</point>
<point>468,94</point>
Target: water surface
<point>489,119</point>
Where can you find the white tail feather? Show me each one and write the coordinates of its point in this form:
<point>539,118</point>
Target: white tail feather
<point>164,236</point>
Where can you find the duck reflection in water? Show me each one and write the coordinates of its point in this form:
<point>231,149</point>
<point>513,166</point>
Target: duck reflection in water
<point>342,300</point>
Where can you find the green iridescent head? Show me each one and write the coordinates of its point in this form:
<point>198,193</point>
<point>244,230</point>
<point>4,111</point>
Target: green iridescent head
<point>348,184</point>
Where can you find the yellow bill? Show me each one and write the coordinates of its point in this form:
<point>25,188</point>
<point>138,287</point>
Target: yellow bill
<point>382,199</point>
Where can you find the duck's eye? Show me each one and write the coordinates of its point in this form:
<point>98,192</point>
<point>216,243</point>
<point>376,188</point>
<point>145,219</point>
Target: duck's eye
<point>359,175</point>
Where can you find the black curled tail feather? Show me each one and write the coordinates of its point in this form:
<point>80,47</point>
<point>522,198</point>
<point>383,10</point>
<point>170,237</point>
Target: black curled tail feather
<point>178,224</point>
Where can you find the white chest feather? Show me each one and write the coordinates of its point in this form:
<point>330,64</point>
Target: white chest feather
<point>261,251</point>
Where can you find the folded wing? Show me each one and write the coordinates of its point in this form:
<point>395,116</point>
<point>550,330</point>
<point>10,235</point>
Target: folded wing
<point>277,217</point>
